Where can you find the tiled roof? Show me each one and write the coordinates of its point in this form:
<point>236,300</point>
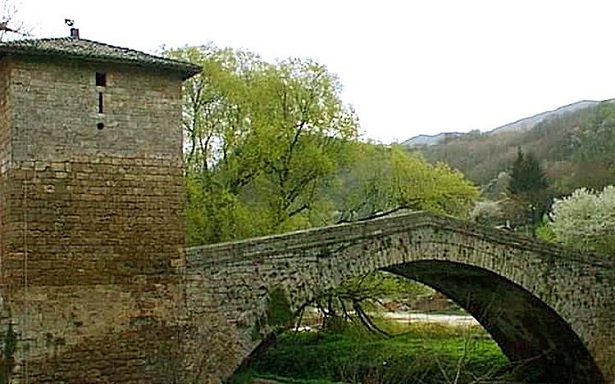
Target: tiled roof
<point>76,48</point>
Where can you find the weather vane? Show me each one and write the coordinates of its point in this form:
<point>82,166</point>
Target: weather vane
<point>74,32</point>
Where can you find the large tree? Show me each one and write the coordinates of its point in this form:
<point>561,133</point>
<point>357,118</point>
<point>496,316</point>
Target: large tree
<point>270,147</point>
<point>262,142</point>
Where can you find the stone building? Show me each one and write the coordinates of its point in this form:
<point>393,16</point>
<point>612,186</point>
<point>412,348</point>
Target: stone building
<point>91,225</point>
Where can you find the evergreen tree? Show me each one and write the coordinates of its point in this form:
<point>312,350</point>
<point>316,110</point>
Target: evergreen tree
<point>526,176</point>
<point>528,188</point>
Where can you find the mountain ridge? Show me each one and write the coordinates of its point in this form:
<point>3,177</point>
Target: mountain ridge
<point>523,124</point>
<point>532,121</point>
<point>575,145</point>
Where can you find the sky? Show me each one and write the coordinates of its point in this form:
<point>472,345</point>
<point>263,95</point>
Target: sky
<point>408,67</point>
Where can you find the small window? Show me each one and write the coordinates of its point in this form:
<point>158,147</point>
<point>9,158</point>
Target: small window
<point>100,102</point>
<point>101,79</point>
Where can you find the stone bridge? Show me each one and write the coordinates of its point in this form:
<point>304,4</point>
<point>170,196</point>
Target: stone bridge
<point>550,307</point>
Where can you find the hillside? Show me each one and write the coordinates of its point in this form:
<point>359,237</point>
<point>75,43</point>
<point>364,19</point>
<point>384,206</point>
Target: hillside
<point>519,125</point>
<point>575,144</point>
<point>430,139</point>
<point>532,121</point>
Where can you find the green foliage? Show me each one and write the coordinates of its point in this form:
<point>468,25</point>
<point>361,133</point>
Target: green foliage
<point>270,148</point>
<point>262,141</point>
<point>350,301</point>
<point>527,188</point>
<point>7,358</point>
<point>279,314</point>
<point>576,150</point>
<point>585,220</point>
<point>384,178</point>
<point>425,354</point>
<point>526,176</point>
<point>544,232</point>
<point>380,284</point>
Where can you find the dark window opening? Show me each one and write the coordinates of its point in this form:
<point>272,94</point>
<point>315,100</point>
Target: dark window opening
<point>101,79</point>
<point>100,102</point>
<point>100,126</point>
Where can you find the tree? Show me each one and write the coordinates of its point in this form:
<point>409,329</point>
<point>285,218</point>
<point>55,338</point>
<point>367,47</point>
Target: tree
<point>488,213</point>
<point>10,26</point>
<point>527,188</point>
<point>526,175</point>
<point>263,141</point>
<point>385,178</point>
<point>585,220</point>
<point>354,297</point>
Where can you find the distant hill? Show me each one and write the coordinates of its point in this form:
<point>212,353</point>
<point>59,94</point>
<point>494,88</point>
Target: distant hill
<point>532,121</point>
<point>575,144</point>
<point>429,140</point>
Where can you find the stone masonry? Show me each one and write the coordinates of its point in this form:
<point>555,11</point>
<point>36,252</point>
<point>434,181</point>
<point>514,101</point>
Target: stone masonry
<point>541,303</point>
<point>91,225</point>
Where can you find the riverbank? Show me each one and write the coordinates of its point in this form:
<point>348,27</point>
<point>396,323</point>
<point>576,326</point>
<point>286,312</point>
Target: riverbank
<point>416,353</point>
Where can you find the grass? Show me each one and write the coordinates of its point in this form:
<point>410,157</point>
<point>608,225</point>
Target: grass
<point>416,353</point>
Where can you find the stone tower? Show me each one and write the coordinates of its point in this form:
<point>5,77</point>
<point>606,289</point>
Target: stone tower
<point>91,225</point>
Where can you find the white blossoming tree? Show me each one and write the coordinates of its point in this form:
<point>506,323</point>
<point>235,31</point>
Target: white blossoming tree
<point>586,220</point>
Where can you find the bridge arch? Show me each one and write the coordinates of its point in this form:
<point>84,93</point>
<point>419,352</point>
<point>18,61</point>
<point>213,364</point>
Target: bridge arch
<point>560,299</point>
<point>527,330</point>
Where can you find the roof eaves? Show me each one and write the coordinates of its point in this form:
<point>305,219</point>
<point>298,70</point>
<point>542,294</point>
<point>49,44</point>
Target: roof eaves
<point>89,50</point>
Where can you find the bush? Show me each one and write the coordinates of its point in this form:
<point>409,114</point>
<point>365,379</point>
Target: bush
<point>586,220</point>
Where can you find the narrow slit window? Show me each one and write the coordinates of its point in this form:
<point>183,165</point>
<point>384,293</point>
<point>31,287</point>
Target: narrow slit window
<point>101,79</point>
<point>100,102</point>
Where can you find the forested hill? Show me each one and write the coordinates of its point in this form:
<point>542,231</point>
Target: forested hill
<point>532,121</point>
<point>576,149</point>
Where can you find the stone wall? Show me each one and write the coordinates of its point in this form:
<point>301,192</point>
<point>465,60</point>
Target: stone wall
<point>92,224</point>
<point>5,132</point>
<point>54,111</point>
<point>557,297</point>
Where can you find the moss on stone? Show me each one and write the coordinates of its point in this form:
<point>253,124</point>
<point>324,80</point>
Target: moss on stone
<point>7,359</point>
<point>279,313</point>
<point>255,332</point>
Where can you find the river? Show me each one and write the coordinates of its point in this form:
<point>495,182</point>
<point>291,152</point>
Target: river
<point>410,317</point>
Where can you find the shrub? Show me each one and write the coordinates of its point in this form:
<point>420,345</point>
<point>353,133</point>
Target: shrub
<point>586,220</point>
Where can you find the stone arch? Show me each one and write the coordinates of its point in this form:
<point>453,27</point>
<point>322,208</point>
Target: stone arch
<point>231,284</point>
<point>527,330</point>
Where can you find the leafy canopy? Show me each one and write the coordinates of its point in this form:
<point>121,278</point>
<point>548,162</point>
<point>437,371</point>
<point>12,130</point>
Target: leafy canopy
<point>262,142</point>
<point>270,147</point>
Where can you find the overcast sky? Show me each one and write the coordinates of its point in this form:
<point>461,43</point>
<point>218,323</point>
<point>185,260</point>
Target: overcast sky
<point>408,67</point>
